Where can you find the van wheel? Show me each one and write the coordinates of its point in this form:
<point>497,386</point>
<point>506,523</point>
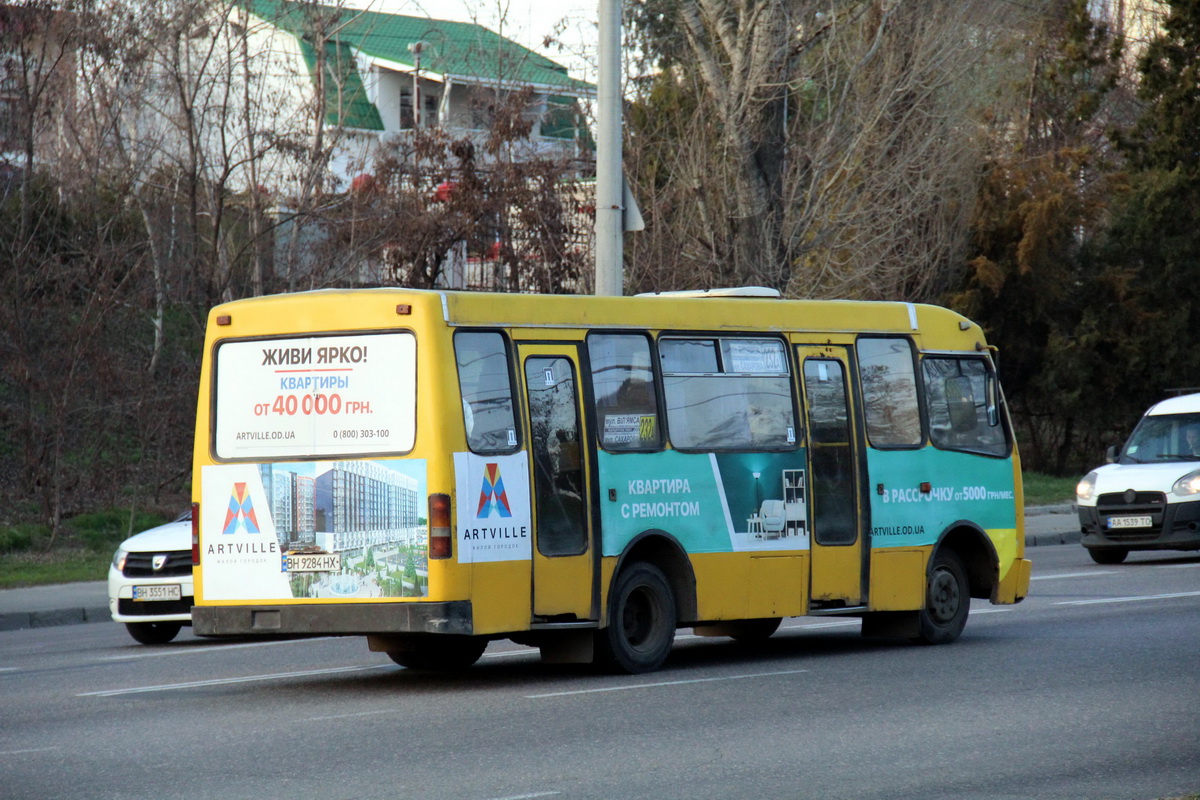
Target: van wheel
<point>153,632</point>
<point>947,600</point>
<point>641,621</point>
<point>1109,555</point>
<point>441,653</point>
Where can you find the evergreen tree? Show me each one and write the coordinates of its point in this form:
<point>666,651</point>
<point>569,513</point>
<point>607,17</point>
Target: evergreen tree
<point>1152,253</point>
<point>1027,282</point>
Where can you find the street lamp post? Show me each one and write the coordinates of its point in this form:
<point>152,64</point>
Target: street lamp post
<point>609,180</point>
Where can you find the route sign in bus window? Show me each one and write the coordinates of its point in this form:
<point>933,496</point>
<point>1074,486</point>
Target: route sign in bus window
<point>623,385</point>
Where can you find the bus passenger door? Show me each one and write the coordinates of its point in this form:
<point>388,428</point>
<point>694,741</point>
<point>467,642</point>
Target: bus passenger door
<point>837,573</point>
<point>562,533</point>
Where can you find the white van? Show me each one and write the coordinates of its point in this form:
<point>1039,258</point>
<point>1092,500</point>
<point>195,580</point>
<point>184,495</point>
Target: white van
<point>1148,496</point>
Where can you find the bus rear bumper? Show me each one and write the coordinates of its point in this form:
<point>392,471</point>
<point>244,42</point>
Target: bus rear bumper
<point>343,619</point>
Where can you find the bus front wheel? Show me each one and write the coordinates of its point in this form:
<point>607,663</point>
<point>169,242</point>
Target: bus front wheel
<point>641,621</point>
<point>947,600</point>
<point>441,653</point>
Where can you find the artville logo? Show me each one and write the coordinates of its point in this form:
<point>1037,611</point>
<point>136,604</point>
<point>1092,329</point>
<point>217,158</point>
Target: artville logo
<point>240,515</point>
<point>492,497</point>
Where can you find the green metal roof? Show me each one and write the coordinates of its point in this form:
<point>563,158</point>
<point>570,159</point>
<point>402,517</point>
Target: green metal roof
<point>346,102</point>
<point>459,49</point>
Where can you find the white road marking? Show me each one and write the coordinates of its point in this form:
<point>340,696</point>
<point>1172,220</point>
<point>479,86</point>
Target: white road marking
<point>28,750</point>
<point>1074,575</point>
<point>225,681</point>
<point>665,683</point>
<point>202,649</point>
<point>527,796</point>
<point>349,716</point>
<point>1101,600</point>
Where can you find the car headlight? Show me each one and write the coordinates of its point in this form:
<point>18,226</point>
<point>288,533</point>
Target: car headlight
<point>119,560</point>
<point>1086,488</point>
<point>1188,485</point>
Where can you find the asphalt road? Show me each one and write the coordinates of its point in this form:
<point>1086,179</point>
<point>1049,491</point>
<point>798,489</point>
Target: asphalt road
<point>1089,689</point>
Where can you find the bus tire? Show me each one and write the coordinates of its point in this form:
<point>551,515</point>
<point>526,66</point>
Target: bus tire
<point>641,621</point>
<point>1109,555</point>
<point>153,632</point>
<point>751,631</point>
<point>441,653</point>
<point>947,600</point>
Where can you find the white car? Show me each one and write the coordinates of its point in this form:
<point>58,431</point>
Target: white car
<point>150,582</point>
<point>1148,496</point>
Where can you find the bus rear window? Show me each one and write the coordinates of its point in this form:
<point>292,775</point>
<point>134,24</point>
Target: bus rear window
<point>315,396</point>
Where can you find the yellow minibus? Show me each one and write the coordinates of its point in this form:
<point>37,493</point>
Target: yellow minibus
<point>434,470</point>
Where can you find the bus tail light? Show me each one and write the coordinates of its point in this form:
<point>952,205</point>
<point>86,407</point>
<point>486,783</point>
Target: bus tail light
<point>441,545</point>
<point>195,534</point>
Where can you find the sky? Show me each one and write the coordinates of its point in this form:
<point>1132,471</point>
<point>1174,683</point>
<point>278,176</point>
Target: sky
<point>572,23</point>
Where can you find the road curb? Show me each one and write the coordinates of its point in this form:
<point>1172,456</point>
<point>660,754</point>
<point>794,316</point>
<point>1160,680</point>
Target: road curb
<point>22,620</point>
<point>1045,539</point>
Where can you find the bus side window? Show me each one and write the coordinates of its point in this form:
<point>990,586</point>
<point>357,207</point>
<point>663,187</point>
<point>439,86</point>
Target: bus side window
<point>728,393</point>
<point>961,415</point>
<point>623,385</point>
<point>486,386</point>
<point>889,392</point>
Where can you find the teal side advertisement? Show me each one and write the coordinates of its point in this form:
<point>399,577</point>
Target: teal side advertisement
<point>710,502</point>
<point>961,487</point>
<point>733,502</point>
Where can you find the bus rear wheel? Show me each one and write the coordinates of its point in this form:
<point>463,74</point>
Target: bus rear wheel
<point>441,653</point>
<point>641,621</point>
<point>947,600</point>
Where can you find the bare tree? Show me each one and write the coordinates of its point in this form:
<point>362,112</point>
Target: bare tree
<point>433,198</point>
<point>827,149</point>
